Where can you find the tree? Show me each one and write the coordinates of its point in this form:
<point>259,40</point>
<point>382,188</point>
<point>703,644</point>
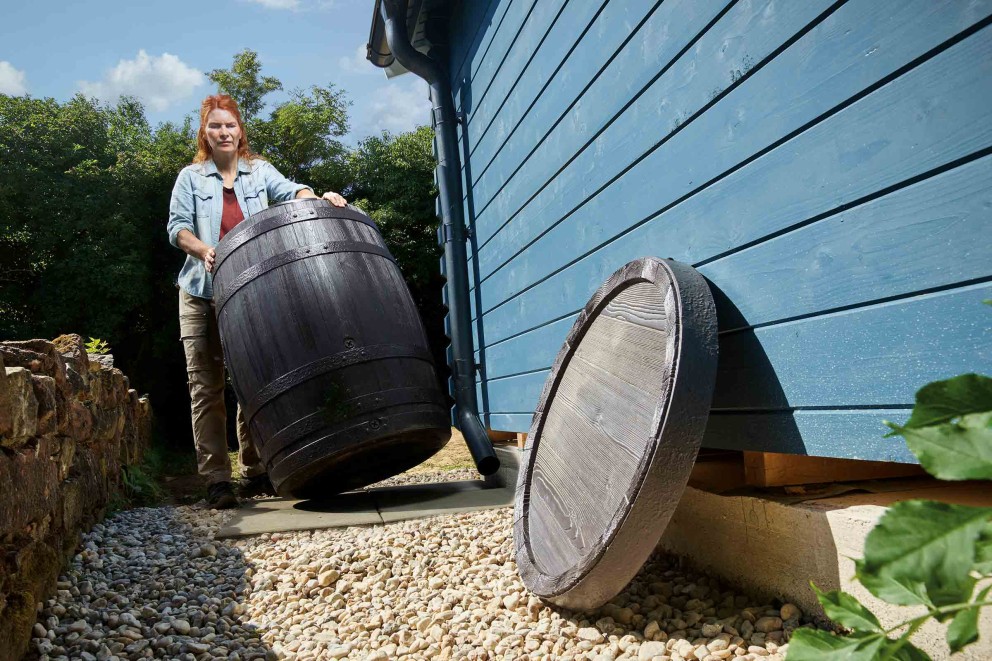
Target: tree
<point>301,137</point>
<point>243,84</point>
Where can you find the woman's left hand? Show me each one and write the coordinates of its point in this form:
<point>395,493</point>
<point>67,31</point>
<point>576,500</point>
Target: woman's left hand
<point>335,199</point>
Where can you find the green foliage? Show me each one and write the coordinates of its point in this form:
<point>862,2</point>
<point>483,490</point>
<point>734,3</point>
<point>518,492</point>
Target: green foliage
<point>244,84</point>
<point>922,553</point>
<point>97,346</point>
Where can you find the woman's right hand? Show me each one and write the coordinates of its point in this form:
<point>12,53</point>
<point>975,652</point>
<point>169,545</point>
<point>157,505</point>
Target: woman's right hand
<point>208,256</point>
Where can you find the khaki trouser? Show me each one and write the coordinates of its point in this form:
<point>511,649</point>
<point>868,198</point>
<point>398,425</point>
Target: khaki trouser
<point>205,369</point>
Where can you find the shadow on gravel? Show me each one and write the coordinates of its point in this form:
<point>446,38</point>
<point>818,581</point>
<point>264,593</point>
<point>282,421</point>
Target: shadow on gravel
<point>152,583</point>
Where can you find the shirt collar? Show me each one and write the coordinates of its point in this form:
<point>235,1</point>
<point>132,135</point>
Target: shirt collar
<point>210,168</point>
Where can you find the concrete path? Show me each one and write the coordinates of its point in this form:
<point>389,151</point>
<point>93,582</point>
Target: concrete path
<point>379,505</point>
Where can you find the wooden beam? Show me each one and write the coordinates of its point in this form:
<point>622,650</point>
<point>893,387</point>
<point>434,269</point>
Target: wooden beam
<point>521,440</point>
<point>497,436</point>
<point>772,469</point>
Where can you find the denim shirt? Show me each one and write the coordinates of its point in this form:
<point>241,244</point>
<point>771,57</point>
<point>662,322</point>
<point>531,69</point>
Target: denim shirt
<point>198,202</point>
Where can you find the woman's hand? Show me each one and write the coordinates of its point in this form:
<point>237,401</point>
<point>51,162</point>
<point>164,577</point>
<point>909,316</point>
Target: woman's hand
<point>208,256</point>
<point>335,199</point>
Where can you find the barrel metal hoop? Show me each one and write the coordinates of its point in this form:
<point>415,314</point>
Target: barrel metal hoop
<point>245,232</point>
<point>296,254</point>
<point>354,408</point>
<point>328,364</point>
<point>356,433</point>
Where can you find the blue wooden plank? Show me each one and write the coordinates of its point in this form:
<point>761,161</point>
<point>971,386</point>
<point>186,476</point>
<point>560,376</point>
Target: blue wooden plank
<point>658,41</point>
<point>818,72</point>
<point>546,106</point>
<point>505,106</point>
<point>871,356</point>
<point>476,55</point>
<point>516,422</point>
<point>829,433</point>
<point>533,350</point>
<point>879,141</point>
<point>501,46</point>
<point>472,26</point>
<point>533,34</point>
<point>917,238</point>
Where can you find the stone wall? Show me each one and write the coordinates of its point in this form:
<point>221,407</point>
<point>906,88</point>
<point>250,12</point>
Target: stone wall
<point>68,424</point>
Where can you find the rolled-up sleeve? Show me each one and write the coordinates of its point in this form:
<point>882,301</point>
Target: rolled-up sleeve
<point>278,187</point>
<point>181,208</point>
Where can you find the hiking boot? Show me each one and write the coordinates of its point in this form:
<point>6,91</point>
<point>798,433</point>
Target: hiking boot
<point>259,485</point>
<point>220,496</point>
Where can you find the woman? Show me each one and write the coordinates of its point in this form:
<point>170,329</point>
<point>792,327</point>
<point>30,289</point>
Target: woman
<point>225,184</point>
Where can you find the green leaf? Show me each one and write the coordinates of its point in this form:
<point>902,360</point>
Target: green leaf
<point>963,629</point>
<point>983,551</point>
<point>910,652</point>
<point>923,551</point>
<point>959,450</point>
<point>847,611</point>
<point>895,590</point>
<point>943,401</point>
<point>816,645</point>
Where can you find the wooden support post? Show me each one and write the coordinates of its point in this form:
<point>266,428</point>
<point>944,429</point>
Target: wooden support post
<point>771,469</point>
<point>521,440</point>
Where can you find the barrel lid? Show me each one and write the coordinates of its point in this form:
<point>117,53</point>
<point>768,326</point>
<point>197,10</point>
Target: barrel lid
<point>615,433</point>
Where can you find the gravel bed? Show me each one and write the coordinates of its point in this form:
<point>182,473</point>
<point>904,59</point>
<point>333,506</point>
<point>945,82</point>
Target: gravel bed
<point>154,583</point>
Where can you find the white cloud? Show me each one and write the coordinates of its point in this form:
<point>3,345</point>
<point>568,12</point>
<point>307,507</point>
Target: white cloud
<point>12,81</point>
<point>400,106</point>
<point>357,63</point>
<point>159,81</point>
<point>278,4</point>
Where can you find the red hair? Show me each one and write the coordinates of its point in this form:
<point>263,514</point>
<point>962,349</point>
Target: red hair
<point>220,102</point>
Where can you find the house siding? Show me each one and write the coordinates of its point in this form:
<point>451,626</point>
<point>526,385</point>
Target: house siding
<point>826,166</point>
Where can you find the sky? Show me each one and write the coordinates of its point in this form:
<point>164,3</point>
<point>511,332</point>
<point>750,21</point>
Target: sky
<point>159,51</point>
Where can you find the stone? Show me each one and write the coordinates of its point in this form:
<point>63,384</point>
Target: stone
<point>649,650</point>
<point>328,578</point>
<point>23,422</point>
<point>768,624</point>
<point>591,634</point>
<point>790,612</point>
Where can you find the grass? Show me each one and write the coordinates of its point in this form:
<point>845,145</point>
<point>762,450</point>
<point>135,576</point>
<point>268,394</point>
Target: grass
<point>143,485</point>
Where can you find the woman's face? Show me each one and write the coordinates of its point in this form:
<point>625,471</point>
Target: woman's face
<point>223,132</point>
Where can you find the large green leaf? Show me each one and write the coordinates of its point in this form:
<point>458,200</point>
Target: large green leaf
<point>816,645</point>
<point>963,629</point>
<point>943,401</point>
<point>895,590</point>
<point>847,611</point>
<point>926,544</point>
<point>959,450</point>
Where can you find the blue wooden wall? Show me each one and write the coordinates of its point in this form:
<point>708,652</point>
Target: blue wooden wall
<point>826,165</point>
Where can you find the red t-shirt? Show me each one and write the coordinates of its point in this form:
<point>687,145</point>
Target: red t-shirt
<point>232,212</point>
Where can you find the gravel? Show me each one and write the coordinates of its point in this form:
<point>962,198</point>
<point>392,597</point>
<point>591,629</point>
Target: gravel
<point>155,583</point>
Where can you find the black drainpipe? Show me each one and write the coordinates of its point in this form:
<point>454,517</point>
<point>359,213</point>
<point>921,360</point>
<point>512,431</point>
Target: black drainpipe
<point>394,13</point>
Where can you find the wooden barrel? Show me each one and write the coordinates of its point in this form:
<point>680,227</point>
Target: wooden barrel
<point>325,349</point>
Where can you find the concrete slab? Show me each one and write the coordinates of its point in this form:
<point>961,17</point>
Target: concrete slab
<point>422,500</point>
<point>770,545</point>
<point>379,505</point>
<point>286,514</point>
